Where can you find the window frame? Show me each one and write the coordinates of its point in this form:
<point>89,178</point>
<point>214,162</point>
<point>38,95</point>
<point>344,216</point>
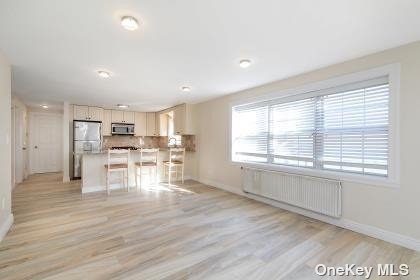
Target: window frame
<point>311,90</point>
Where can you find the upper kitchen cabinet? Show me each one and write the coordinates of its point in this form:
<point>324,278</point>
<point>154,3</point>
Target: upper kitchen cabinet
<point>117,116</point>
<point>140,128</point>
<point>122,116</point>
<point>184,119</point>
<point>162,124</point>
<point>96,114</point>
<point>151,124</point>
<point>80,112</point>
<point>129,117</point>
<point>87,113</point>
<point>106,124</point>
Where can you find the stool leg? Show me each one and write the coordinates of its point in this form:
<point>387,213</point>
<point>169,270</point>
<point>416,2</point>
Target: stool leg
<point>107,182</point>
<point>156,176</point>
<point>140,175</point>
<point>126,179</point>
<point>137,179</point>
<point>169,175</point>
<point>182,173</point>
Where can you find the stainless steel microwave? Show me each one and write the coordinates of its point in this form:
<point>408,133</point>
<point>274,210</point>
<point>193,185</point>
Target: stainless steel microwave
<point>122,129</point>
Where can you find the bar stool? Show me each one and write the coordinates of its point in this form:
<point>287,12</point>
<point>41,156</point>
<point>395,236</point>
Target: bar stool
<point>176,160</point>
<point>148,159</point>
<point>118,161</point>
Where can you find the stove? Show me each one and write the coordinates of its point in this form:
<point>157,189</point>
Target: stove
<point>124,148</point>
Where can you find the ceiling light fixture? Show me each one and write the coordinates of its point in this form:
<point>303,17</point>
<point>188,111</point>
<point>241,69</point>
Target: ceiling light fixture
<point>129,23</point>
<point>244,63</point>
<point>122,106</point>
<point>44,106</point>
<point>103,74</point>
<point>186,89</point>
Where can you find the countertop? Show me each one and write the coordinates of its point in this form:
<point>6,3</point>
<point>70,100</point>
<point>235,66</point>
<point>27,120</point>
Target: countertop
<point>131,151</point>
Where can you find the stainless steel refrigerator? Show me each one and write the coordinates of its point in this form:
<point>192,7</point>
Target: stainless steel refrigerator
<point>87,138</point>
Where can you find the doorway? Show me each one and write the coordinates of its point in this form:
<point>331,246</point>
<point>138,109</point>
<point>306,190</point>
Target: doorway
<point>45,136</point>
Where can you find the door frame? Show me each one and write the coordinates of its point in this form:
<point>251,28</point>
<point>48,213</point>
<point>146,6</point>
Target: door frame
<point>31,115</point>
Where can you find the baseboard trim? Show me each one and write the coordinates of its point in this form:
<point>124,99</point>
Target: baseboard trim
<point>391,237</point>
<point>5,227</point>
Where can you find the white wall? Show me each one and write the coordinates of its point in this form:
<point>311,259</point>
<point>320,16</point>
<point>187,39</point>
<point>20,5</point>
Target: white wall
<point>394,210</point>
<point>66,142</point>
<point>6,217</point>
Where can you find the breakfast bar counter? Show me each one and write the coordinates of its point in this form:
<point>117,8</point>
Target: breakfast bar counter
<point>94,172</point>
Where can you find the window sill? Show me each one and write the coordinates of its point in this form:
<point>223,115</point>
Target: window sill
<point>339,176</point>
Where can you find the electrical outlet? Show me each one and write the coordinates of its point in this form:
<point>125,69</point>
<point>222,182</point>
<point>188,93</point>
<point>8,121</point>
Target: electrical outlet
<point>3,203</point>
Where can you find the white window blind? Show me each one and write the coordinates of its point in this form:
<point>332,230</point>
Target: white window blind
<point>344,129</point>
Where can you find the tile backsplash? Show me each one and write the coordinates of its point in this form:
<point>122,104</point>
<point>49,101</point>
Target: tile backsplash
<point>188,141</point>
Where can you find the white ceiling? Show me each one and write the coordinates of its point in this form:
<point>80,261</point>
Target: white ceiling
<point>55,47</point>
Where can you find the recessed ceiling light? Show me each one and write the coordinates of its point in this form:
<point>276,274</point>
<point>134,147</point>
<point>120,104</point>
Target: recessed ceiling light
<point>122,106</point>
<point>244,63</point>
<point>103,74</point>
<point>44,106</point>
<point>129,23</point>
<point>186,89</point>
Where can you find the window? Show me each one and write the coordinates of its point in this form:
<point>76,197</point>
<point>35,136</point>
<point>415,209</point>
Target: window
<point>338,129</point>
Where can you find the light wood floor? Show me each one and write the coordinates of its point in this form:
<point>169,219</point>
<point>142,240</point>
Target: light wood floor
<point>187,232</point>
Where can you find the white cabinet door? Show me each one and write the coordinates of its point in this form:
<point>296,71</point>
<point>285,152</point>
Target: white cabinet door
<point>151,124</point>
<point>80,112</point>
<point>117,116</point>
<point>179,120</point>
<point>96,114</point>
<point>162,124</point>
<point>106,124</point>
<point>140,123</point>
<point>129,117</point>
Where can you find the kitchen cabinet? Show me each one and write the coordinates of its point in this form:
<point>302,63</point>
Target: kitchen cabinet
<point>140,123</point>
<point>179,120</point>
<point>80,112</point>
<point>151,124</point>
<point>96,114</point>
<point>87,113</point>
<point>129,117</point>
<point>106,124</point>
<point>122,116</point>
<point>117,116</point>
<point>184,119</point>
<point>162,124</point>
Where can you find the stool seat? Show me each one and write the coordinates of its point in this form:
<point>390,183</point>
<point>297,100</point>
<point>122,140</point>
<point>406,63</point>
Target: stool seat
<point>116,166</point>
<point>146,163</point>
<point>174,162</point>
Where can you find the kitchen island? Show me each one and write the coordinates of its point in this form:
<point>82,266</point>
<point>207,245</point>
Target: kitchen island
<point>94,173</point>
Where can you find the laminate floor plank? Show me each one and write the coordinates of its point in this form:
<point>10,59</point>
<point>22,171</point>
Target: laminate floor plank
<point>187,231</point>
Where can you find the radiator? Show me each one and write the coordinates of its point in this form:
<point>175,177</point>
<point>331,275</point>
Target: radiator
<point>312,193</point>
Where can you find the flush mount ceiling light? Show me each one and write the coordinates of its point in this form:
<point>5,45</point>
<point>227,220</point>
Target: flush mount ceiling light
<point>44,106</point>
<point>129,23</point>
<point>122,106</point>
<point>186,89</point>
<point>103,74</point>
<point>244,63</point>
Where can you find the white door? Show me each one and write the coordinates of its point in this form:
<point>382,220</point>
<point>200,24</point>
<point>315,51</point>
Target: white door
<point>19,145</point>
<point>45,142</point>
